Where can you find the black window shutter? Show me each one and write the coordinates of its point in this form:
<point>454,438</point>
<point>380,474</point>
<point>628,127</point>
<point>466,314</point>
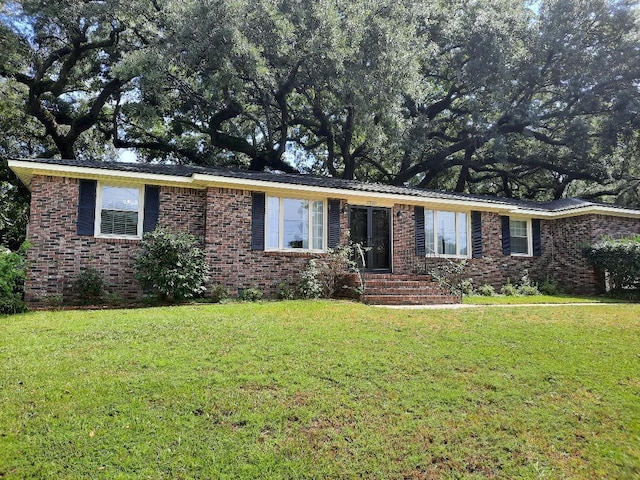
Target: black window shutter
<point>334,223</point>
<point>476,234</point>
<point>506,236</point>
<point>151,208</point>
<point>87,207</point>
<point>420,246</point>
<point>257,220</point>
<point>537,238</point>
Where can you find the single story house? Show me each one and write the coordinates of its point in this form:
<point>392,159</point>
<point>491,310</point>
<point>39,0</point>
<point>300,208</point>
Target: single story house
<point>259,229</point>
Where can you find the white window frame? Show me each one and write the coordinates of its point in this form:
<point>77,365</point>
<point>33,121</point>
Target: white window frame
<point>98,215</point>
<point>529,252</point>
<point>280,248</point>
<point>435,234</point>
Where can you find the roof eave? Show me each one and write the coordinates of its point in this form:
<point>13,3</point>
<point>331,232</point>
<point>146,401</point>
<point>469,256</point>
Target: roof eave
<point>26,169</point>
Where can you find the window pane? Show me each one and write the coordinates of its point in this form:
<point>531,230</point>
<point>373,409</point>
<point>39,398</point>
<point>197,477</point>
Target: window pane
<point>462,234</point>
<point>273,222</point>
<point>317,228</point>
<point>446,233</point>
<point>519,245</point>
<point>295,223</point>
<point>518,228</point>
<point>429,232</point>
<point>117,198</point>
<point>119,211</point>
<point>519,240</point>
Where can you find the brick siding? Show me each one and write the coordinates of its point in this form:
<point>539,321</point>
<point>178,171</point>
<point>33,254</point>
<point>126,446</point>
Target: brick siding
<point>58,254</point>
<point>222,219</point>
<point>563,241</point>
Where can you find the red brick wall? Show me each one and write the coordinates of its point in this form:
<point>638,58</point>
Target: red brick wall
<point>231,261</point>
<point>222,218</point>
<point>183,209</point>
<point>562,243</point>
<point>58,254</point>
<point>404,242</point>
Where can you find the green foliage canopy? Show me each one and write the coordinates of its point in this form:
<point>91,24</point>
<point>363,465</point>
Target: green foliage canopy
<point>12,275</point>
<point>620,259</point>
<point>496,97</point>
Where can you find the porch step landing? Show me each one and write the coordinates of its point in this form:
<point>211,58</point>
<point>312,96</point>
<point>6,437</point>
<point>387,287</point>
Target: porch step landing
<point>400,289</point>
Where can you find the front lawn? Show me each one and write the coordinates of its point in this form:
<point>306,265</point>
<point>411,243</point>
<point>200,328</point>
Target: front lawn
<point>321,390</point>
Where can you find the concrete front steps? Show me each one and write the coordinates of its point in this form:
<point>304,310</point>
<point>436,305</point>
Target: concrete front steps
<point>399,289</point>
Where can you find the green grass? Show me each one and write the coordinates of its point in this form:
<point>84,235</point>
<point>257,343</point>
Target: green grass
<point>321,390</point>
<point>534,299</point>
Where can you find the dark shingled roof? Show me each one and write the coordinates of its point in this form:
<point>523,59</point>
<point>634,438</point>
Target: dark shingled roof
<point>565,204</point>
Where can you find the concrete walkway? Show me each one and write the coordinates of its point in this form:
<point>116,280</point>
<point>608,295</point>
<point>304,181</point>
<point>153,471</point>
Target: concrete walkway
<point>455,306</point>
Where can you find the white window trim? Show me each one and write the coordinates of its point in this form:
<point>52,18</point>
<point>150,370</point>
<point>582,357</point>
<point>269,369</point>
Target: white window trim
<point>435,235</point>
<point>98,215</point>
<point>280,248</point>
<point>529,236</point>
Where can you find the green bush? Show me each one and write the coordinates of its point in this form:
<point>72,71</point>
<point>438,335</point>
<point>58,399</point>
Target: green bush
<point>486,290</point>
<point>527,287</point>
<point>172,265</point>
<point>12,275</point>
<point>548,286</point>
<point>620,259</point>
<point>508,289</point>
<point>219,293</point>
<point>285,291</point>
<point>89,286</point>
<point>466,287</point>
<point>310,282</point>
<point>528,290</point>
<point>250,294</point>
<point>334,275</point>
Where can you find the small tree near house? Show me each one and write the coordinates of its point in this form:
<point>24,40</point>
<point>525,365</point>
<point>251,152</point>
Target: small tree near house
<point>172,265</point>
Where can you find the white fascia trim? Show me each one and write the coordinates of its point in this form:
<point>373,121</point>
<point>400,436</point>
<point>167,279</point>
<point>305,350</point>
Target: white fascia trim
<point>586,210</point>
<point>36,168</point>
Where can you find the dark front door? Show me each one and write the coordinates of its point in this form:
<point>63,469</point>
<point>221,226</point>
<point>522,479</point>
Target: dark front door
<point>371,226</point>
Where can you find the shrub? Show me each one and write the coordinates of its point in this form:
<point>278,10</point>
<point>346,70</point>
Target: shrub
<point>620,259</point>
<point>333,275</point>
<point>12,275</point>
<point>113,298</point>
<point>527,287</point>
<point>486,290</point>
<point>548,286</point>
<point>466,287</point>
<point>89,285</point>
<point>448,274</point>
<point>285,291</point>
<point>528,290</point>
<point>54,301</point>
<point>250,294</point>
<point>310,283</point>
<point>172,265</point>
<point>219,293</point>
<point>508,289</point>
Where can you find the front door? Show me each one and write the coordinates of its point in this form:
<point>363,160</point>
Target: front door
<point>371,227</point>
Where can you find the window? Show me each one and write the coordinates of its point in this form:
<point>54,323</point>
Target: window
<point>118,212</point>
<point>446,233</point>
<point>295,224</point>
<point>519,232</point>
